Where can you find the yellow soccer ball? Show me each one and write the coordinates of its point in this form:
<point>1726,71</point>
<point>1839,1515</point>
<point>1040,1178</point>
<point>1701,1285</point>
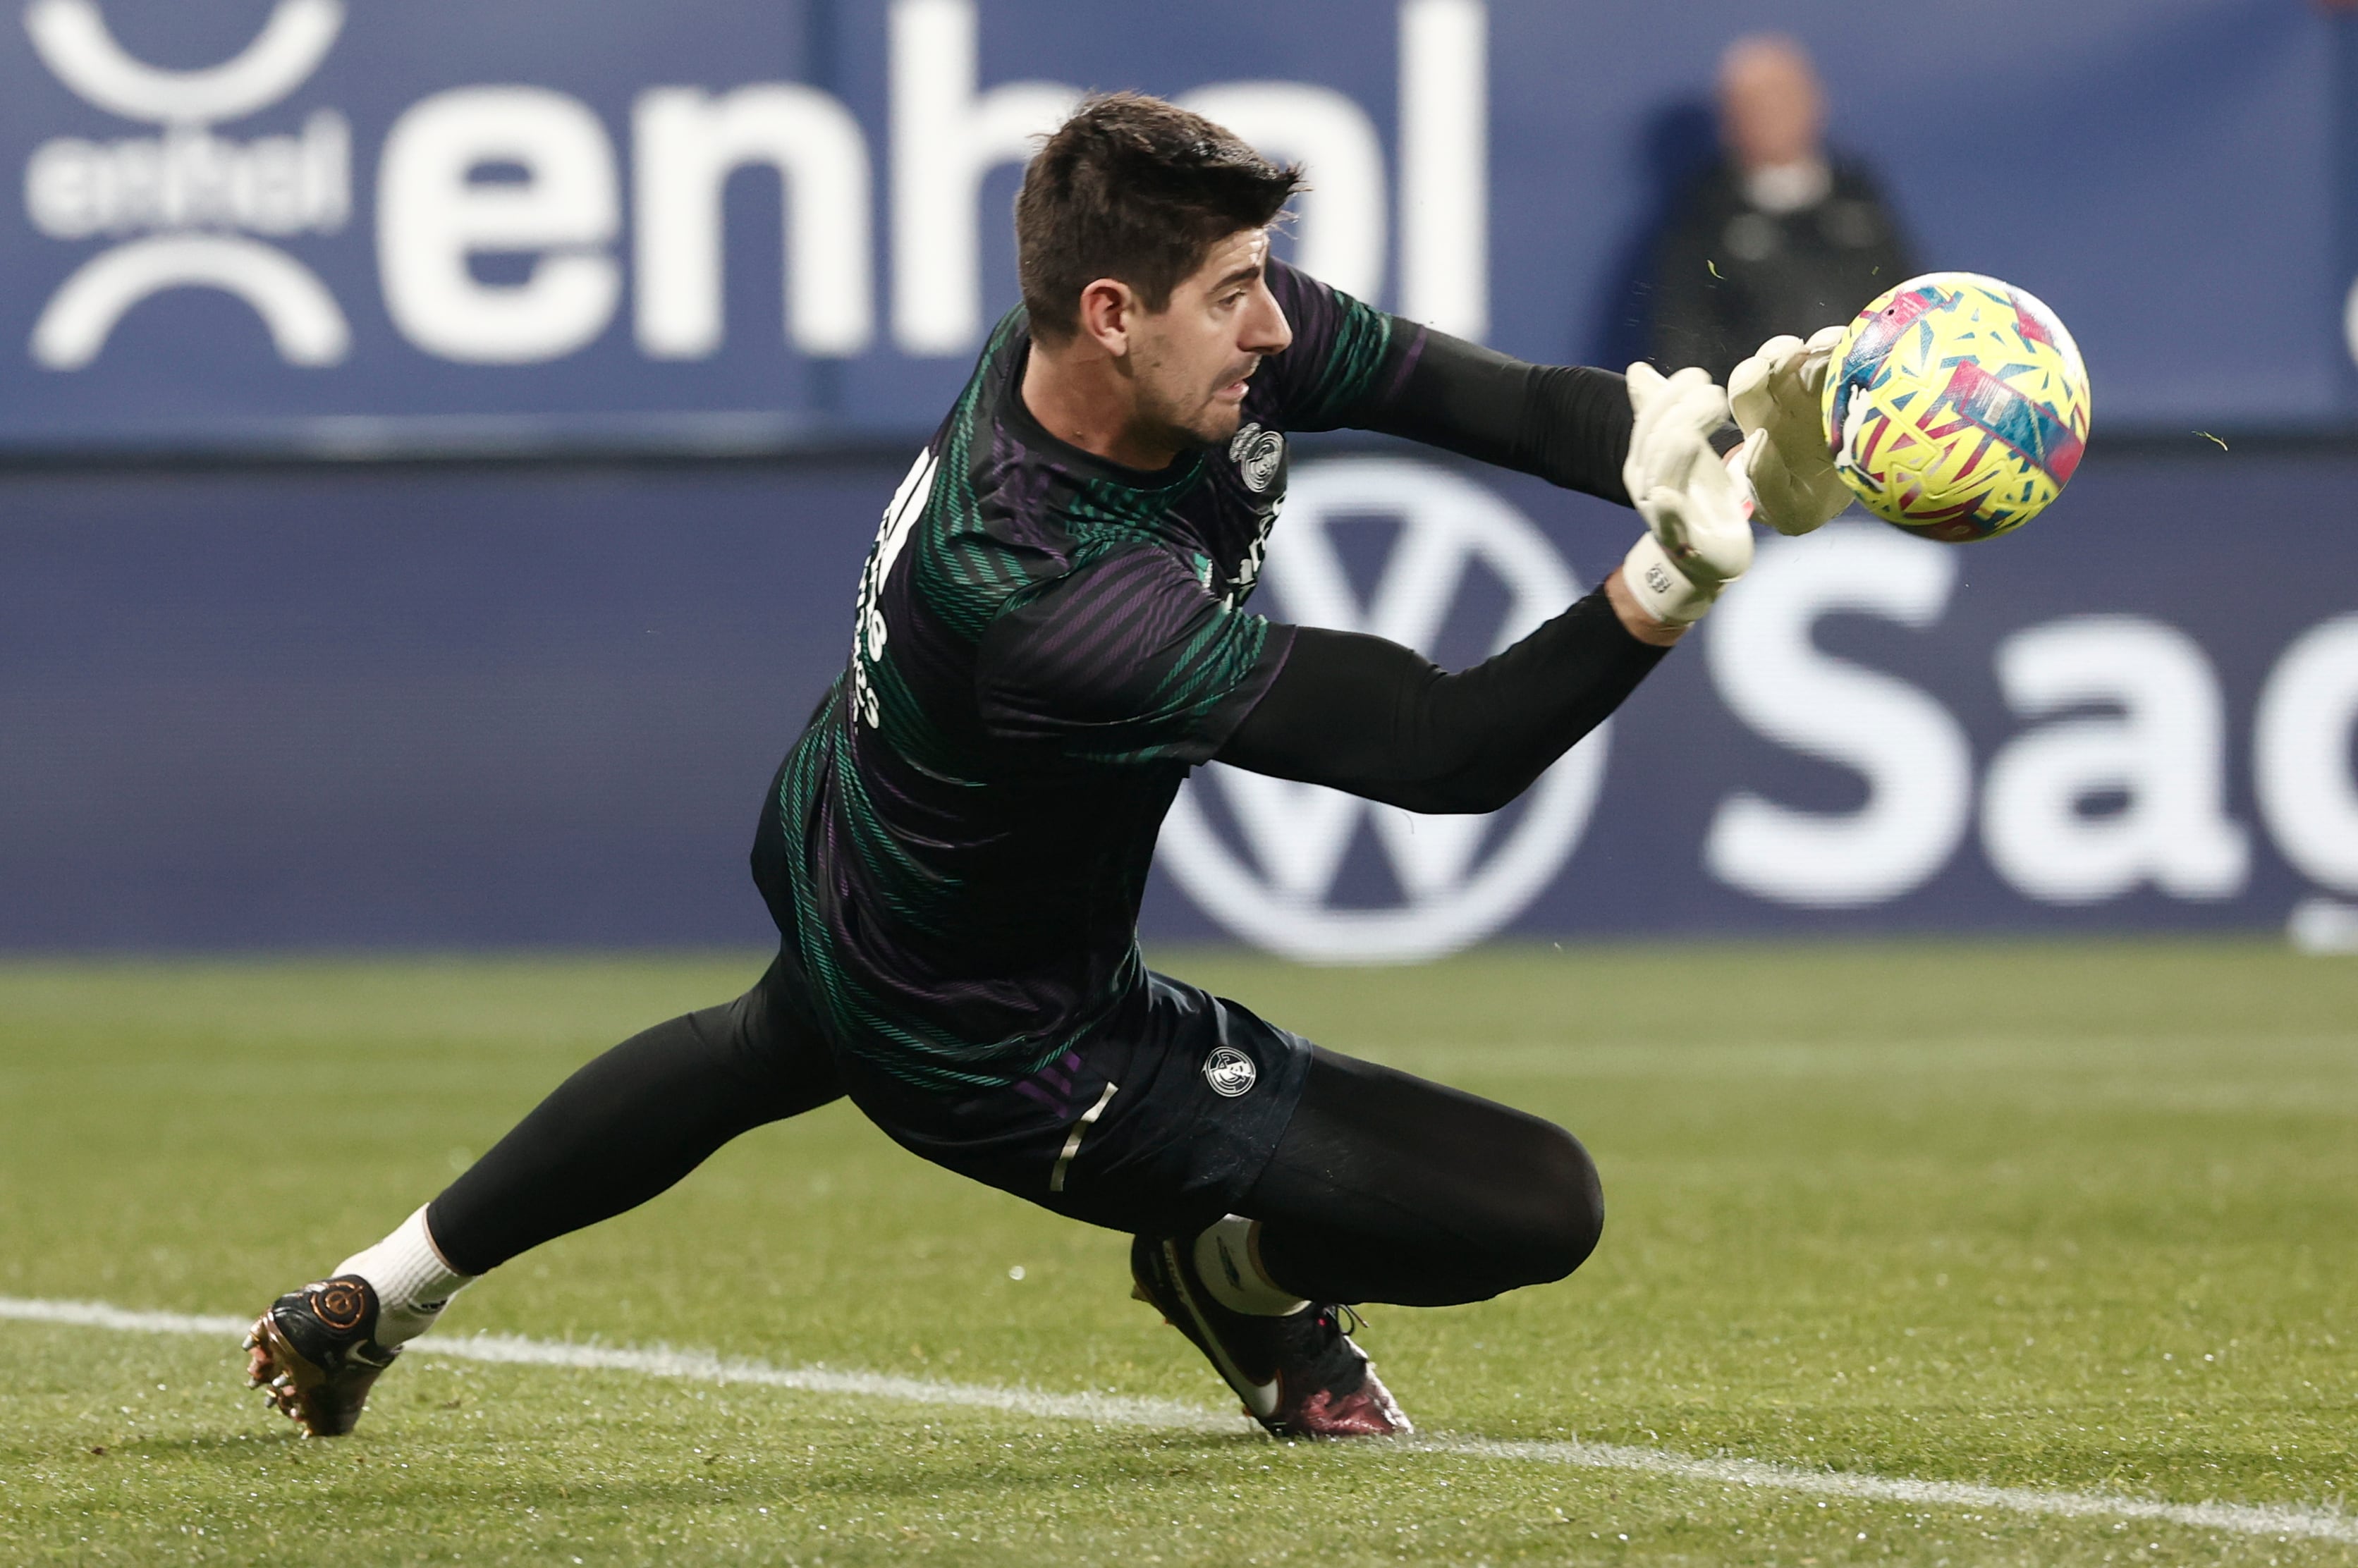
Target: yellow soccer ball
<point>1957,406</point>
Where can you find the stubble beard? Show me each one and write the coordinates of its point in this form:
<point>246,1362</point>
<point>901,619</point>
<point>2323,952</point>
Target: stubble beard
<point>1194,417</point>
<point>1212,421</point>
<point>1219,422</point>
<point>1204,423</point>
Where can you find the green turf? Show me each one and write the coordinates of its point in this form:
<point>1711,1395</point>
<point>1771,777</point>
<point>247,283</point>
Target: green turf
<point>2079,1218</point>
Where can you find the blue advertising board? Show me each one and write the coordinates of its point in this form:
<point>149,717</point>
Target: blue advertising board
<point>316,226</point>
<point>455,706</point>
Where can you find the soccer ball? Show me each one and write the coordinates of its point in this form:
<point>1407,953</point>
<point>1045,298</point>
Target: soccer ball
<point>1957,406</point>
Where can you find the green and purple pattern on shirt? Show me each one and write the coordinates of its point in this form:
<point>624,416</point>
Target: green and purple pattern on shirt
<point>1045,644</point>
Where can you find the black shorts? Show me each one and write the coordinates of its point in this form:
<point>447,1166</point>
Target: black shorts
<point>1158,1124</point>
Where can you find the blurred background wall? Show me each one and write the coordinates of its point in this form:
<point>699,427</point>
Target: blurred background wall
<point>440,442</point>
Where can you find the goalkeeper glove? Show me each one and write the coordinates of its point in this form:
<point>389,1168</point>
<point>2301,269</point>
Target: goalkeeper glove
<point>1697,510</point>
<point>1775,394</point>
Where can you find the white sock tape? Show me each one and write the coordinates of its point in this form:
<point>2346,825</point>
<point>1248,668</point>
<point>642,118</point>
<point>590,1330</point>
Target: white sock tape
<point>1229,1266</point>
<point>1667,594</point>
<point>412,1279</point>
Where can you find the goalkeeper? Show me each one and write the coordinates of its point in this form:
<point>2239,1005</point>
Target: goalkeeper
<point>1051,631</point>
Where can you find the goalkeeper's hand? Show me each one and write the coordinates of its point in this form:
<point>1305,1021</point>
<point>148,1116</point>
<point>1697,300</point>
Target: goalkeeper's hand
<point>1775,394</point>
<point>1698,514</point>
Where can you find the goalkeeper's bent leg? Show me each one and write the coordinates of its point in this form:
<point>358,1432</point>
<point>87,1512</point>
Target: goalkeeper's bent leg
<point>613,1135</point>
<point>1387,1187</point>
<point>634,1121</point>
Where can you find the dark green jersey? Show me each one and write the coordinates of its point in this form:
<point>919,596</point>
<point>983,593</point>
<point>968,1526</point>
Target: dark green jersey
<point>1045,644</point>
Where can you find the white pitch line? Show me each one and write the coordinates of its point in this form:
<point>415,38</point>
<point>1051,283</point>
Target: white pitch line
<point>2241,1519</point>
<point>695,1365</point>
<point>1113,1410</point>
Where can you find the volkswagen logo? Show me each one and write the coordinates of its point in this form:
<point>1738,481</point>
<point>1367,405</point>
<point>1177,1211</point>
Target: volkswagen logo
<point>1460,878</point>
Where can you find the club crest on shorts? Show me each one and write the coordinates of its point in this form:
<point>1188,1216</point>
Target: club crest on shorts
<point>1230,1072</point>
<point>1257,453</point>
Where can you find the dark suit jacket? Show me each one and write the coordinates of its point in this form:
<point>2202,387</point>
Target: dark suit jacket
<point>1727,275</point>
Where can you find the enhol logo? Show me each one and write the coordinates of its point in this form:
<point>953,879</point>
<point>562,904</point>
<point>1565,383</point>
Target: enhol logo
<point>1460,879</point>
<point>187,186</point>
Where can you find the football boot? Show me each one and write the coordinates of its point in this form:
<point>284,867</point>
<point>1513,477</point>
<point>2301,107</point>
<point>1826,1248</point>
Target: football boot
<point>1302,1374</point>
<point>315,1353</point>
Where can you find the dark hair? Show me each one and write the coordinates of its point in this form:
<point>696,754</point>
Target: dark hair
<point>1135,188</point>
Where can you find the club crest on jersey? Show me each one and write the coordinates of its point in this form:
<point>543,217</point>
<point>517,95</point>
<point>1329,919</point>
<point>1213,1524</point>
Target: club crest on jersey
<point>1230,1072</point>
<point>1256,454</point>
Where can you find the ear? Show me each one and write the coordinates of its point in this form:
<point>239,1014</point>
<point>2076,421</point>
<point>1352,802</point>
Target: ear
<point>1109,309</point>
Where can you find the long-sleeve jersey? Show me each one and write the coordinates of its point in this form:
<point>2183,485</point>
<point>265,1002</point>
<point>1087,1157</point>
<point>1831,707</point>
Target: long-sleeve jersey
<point>1046,641</point>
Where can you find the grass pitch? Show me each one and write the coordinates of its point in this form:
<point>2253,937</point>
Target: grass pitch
<point>2078,1218</point>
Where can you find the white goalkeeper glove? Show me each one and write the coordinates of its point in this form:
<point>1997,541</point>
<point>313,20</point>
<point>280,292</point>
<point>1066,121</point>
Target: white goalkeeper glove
<point>1697,510</point>
<point>1776,394</point>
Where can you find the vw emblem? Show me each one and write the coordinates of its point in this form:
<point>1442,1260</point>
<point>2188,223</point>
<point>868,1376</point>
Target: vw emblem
<point>1460,878</point>
<point>1230,1072</point>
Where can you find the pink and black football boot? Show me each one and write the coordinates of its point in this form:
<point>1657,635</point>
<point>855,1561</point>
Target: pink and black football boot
<point>1299,1376</point>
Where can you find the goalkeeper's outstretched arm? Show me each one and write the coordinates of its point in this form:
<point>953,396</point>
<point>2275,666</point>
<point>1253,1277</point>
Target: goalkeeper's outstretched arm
<point>1571,425</point>
<point>1361,714</point>
<point>1567,424</point>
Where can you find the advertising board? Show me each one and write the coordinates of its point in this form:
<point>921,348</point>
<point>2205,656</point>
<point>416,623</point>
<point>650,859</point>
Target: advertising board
<point>711,225</point>
<point>446,707</point>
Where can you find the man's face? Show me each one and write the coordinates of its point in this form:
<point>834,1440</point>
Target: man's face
<point>1190,361</point>
<point>1771,111</point>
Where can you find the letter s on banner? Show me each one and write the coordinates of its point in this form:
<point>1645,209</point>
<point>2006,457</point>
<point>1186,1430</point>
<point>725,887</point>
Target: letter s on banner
<point>432,215</point>
<point>1917,767</point>
<point>2300,754</point>
<point>2166,751</point>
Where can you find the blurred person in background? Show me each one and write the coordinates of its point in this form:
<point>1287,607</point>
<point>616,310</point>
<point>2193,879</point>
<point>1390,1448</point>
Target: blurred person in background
<point>1781,236</point>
